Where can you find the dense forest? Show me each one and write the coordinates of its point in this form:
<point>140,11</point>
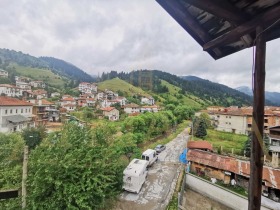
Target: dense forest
<point>67,69</point>
<point>60,67</point>
<point>215,93</point>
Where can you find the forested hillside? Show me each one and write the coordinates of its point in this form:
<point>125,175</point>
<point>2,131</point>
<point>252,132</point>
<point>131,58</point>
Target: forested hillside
<point>67,69</point>
<point>26,65</point>
<point>211,93</point>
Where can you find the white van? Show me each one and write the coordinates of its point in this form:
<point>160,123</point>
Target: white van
<point>150,155</point>
<point>135,175</point>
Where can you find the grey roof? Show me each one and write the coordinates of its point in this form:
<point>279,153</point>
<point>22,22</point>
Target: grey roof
<point>16,118</point>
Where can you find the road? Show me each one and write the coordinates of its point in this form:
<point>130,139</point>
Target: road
<point>161,180</point>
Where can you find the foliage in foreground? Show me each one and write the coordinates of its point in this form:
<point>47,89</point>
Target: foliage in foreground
<point>11,157</point>
<point>74,170</point>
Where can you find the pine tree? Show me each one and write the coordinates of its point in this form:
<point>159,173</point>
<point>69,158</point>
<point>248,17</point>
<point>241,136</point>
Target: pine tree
<point>201,131</point>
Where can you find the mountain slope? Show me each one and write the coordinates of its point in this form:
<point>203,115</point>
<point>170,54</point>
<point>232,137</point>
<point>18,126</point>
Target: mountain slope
<point>23,64</point>
<point>117,84</point>
<point>67,69</point>
<point>271,97</point>
<point>211,93</point>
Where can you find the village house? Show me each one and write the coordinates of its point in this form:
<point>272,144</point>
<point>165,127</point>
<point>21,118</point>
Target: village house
<point>274,148</point>
<point>42,110</point>
<point>131,108</point>
<point>149,108</point>
<point>15,114</point>
<point>22,79</point>
<point>148,100</point>
<point>23,85</point>
<point>68,103</point>
<point>110,95</point>
<point>10,90</point>
<point>37,84</point>
<point>239,120</point>
<point>100,95</point>
<point>36,94</point>
<point>121,100</point>
<point>111,112</point>
<point>3,73</point>
<point>226,168</point>
<point>55,94</point>
<point>86,87</point>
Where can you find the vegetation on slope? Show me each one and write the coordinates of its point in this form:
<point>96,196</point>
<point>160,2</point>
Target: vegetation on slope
<point>213,93</point>
<point>27,65</point>
<point>67,69</point>
<point>118,85</point>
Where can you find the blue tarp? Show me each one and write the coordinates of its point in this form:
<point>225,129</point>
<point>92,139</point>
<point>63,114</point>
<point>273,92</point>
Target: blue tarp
<point>183,156</point>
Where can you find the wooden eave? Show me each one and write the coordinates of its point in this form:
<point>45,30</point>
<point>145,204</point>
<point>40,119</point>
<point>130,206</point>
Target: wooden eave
<point>223,27</point>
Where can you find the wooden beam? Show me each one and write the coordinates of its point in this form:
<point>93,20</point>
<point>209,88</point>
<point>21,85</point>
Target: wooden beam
<point>256,163</point>
<point>186,20</point>
<point>266,18</point>
<point>7,194</point>
<point>222,9</point>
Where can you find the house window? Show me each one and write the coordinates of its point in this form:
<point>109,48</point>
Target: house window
<point>11,111</point>
<point>21,110</point>
<point>25,110</point>
<point>6,111</point>
<point>16,110</point>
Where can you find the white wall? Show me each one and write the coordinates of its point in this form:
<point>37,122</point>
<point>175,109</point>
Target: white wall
<point>218,193</point>
<point>229,122</point>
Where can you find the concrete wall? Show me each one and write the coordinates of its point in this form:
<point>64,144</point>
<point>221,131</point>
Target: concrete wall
<point>218,193</point>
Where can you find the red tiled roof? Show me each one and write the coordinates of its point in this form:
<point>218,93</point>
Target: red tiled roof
<point>108,109</point>
<point>199,145</point>
<point>68,99</point>
<point>132,105</point>
<point>8,101</point>
<point>271,176</point>
<point>9,86</point>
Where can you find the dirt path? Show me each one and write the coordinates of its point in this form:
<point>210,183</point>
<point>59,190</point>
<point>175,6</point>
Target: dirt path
<point>162,176</point>
<point>195,201</point>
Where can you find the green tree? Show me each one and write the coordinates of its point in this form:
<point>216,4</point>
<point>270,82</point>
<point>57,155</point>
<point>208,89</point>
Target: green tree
<point>74,171</point>
<point>34,136</point>
<point>247,145</point>
<point>11,157</point>
<point>201,131</point>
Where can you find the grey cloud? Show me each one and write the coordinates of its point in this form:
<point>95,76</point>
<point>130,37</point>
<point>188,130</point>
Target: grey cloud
<point>121,35</point>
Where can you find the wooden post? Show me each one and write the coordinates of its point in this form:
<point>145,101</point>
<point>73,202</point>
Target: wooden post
<point>256,164</point>
<point>24,176</point>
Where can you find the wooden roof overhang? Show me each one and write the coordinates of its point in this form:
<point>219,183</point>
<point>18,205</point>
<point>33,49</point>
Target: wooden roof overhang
<point>223,27</point>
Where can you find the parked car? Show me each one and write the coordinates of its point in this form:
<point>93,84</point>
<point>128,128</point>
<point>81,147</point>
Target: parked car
<point>159,148</point>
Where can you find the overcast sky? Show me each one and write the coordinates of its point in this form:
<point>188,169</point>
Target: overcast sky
<point>122,35</point>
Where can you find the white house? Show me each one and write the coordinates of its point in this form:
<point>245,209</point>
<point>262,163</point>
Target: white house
<point>37,84</point>
<point>55,94</point>
<point>15,114</point>
<point>86,87</point>
<point>131,108</point>
<point>148,100</point>
<point>3,73</point>
<point>68,103</point>
<point>23,85</point>
<point>121,100</point>
<point>149,109</point>
<point>10,90</point>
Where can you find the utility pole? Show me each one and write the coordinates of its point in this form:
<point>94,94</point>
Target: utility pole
<point>24,177</point>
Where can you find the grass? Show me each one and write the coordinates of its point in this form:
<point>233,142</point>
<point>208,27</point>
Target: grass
<point>165,140</point>
<point>185,100</point>
<point>118,84</point>
<point>226,140</point>
<point>46,75</point>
